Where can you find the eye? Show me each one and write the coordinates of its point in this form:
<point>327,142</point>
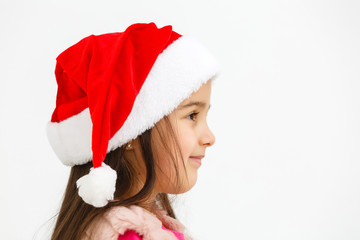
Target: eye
<point>192,116</point>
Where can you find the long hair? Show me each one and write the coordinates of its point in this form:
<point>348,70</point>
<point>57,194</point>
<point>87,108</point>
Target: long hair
<point>75,215</point>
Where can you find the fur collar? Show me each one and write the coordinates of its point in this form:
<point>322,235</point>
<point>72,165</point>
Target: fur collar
<point>118,220</point>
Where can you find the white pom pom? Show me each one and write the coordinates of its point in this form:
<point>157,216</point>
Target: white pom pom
<point>98,187</point>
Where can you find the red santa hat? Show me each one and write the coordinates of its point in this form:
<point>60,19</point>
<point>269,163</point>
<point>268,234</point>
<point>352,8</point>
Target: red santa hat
<point>112,88</point>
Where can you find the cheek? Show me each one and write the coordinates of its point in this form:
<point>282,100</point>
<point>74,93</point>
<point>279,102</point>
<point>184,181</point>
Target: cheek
<point>187,142</point>
<point>171,173</point>
<point>167,179</point>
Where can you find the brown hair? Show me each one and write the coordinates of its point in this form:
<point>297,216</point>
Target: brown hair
<point>75,215</point>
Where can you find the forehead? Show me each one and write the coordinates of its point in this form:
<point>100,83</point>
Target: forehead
<point>202,94</point>
<point>200,98</point>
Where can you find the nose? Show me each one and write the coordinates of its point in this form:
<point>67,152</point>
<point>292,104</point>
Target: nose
<point>207,137</point>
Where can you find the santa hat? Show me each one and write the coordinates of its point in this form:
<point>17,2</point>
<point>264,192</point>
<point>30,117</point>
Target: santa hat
<point>112,88</point>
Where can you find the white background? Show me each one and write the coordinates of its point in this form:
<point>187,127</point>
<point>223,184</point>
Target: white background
<point>285,112</point>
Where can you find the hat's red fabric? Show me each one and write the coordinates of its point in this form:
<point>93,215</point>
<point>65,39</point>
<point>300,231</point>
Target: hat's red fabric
<point>105,74</point>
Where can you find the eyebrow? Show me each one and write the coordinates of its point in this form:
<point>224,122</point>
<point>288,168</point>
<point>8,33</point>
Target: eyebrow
<point>196,103</point>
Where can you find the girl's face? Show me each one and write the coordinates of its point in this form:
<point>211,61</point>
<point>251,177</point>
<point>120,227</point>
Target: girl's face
<point>194,136</point>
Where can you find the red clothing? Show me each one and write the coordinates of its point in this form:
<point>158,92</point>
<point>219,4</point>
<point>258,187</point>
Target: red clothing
<point>132,235</point>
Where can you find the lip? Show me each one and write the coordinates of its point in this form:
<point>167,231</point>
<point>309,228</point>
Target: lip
<point>197,159</point>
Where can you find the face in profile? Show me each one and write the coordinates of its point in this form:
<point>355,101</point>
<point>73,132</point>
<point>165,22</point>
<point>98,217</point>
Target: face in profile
<point>189,122</point>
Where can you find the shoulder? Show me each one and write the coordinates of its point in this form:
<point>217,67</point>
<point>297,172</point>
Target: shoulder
<point>128,223</point>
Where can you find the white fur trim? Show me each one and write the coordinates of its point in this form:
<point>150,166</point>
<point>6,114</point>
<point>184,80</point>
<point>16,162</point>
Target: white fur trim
<point>97,187</point>
<point>179,71</point>
<point>71,138</point>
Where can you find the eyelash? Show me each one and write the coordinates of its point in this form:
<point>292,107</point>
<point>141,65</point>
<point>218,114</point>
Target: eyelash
<point>192,114</point>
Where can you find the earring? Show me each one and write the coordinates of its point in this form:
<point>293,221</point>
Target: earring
<point>129,146</point>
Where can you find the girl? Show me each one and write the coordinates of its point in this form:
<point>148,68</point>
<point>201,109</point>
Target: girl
<point>130,119</point>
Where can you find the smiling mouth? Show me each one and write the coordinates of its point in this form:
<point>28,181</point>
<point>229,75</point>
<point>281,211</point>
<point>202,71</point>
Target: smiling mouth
<point>196,159</point>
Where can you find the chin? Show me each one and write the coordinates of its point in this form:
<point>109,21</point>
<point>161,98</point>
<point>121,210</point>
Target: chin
<point>189,184</point>
<point>186,185</point>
